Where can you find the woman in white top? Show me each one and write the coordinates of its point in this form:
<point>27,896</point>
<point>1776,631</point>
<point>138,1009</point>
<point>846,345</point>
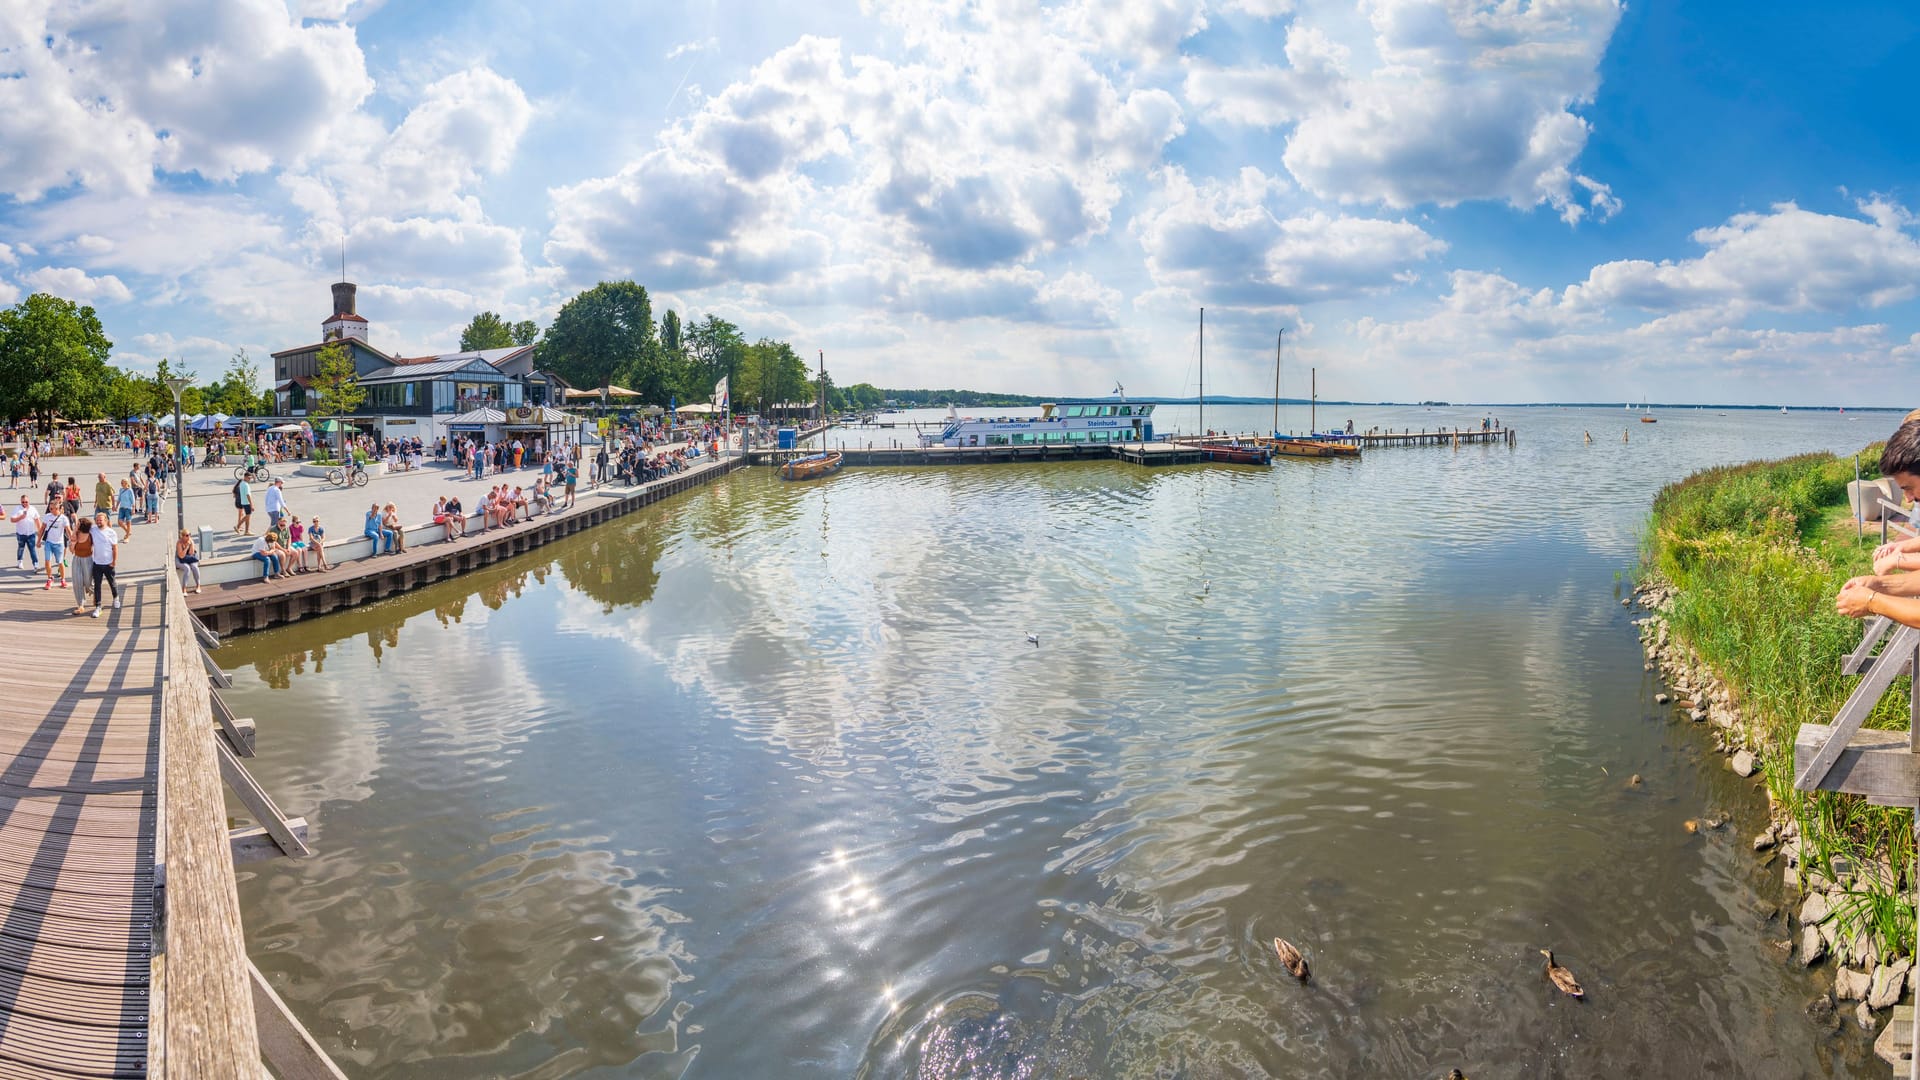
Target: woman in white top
<point>53,534</point>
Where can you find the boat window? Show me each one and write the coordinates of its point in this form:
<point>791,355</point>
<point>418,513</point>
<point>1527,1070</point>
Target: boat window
<point>996,440</point>
<point>1126,410</point>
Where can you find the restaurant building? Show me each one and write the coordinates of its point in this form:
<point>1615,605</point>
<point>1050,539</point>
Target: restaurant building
<point>411,395</point>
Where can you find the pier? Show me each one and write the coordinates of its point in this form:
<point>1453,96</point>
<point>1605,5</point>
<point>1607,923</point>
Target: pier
<point>357,577</point>
<point>122,953</point>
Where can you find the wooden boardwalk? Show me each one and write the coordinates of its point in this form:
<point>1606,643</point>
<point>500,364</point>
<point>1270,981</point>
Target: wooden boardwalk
<point>80,728</point>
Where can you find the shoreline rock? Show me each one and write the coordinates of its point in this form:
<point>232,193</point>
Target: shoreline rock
<point>1692,688</point>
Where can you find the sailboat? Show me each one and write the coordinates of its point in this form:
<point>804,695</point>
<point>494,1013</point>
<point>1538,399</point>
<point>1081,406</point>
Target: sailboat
<point>826,462</point>
<point>1292,446</point>
<point>1645,408</point>
<point>1230,453</point>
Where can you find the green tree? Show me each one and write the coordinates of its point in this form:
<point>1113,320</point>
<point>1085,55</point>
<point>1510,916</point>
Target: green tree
<point>486,331</point>
<point>714,348</point>
<point>53,360</point>
<point>606,335</point>
<point>239,392</point>
<point>670,333</point>
<point>525,332</point>
<point>336,389</point>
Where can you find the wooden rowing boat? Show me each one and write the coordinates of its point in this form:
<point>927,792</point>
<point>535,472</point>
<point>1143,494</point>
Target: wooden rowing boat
<point>1250,454</point>
<point>1310,448</point>
<point>811,467</point>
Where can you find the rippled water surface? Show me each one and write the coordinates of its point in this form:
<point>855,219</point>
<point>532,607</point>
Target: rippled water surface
<point>768,781</point>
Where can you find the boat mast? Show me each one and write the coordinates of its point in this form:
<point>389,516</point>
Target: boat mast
<point>1203,373</point>
<point>1313,403</point>
<point>1276,381</point>
<point>823,400</point>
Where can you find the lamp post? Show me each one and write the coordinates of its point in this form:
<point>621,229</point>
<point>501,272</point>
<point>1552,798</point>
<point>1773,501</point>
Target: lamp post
<point>177,383</point>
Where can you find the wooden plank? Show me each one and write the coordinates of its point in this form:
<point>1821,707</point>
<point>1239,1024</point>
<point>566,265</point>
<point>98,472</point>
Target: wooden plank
<point>1874,763</point>
<point>288,1049</point>
<point>207,1026</point>
<point>1875,628</point>
<point>239,732</point>
<point>1866,694</point>
<point>255,843</point>
<point>259,803</point>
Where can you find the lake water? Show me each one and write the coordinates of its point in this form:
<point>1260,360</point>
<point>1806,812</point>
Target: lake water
<point>768,781</point>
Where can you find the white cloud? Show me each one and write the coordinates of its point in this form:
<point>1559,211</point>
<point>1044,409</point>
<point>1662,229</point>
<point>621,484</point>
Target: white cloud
<point>1448,103</point>
<point>107,93</point>
<point>9,292</point>
<point>74,283</point>
<point>687,48</point>
<point>1787,259</point>
<point>1223,244</point>
<point>996,145</point>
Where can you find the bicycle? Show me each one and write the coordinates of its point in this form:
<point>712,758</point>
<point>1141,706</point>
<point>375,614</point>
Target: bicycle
<point>356,476</point>
<point>252,472</point>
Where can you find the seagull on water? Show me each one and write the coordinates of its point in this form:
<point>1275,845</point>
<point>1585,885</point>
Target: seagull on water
<point>1033,640</point>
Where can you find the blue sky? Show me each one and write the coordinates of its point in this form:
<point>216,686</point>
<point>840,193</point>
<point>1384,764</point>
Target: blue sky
<point>1572,200</point>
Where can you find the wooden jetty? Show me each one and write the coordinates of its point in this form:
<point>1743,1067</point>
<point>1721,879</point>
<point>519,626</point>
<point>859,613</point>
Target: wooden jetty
<point>122,953</point>
<point>1150,454</point>
<point>1882,766</point>
<point>256,604</point>
<point>1423,437</point>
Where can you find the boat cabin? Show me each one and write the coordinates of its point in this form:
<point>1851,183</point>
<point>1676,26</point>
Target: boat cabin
<point>1086,421</point>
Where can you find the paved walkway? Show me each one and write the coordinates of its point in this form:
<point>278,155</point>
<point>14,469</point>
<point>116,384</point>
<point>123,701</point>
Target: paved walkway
<point>209,501</point>
<point>79,736</point>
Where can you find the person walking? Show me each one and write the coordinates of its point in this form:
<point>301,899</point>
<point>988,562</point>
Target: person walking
<point>82,562</point>
<point>243,507</point>
<point>105,555</point>
<point>26,534</point>
<point>276,504</point>
<point>102,495</point>
<point>54,527</point>
<point>125,509</point>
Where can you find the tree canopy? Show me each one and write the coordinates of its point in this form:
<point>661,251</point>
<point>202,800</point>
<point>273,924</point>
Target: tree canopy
<point>53,360</point>
<point>606,335</point>
<point>489,331</point>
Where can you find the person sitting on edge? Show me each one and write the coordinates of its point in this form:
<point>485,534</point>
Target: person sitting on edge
<point>520,504</point>
<point>317,544</point>
<point>391,519</point>
<point>374,530</point>
<point>1887,591</point>
<point>263,554</point>
<point>455,518</point>
<point>540,502</point>
<point>277,547</point>
<point>296,544</point>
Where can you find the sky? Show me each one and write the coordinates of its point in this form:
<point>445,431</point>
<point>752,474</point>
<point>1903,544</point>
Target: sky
<point>1566,200</point>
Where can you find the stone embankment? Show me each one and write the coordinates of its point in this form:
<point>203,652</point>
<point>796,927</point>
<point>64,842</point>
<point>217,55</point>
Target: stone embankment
<point>1821,907</point>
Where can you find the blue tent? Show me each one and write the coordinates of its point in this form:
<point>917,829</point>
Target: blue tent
<point>209,422</point>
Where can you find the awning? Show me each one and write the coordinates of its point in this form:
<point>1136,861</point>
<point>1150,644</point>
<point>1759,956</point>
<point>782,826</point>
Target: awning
<point>699,410</point>
<point>284,429</point>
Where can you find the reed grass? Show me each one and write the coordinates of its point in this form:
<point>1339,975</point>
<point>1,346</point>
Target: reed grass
<point>1756,563</point>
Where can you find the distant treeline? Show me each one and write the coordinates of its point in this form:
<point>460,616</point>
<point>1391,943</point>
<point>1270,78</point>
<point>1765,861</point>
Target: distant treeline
<point>971,399</point>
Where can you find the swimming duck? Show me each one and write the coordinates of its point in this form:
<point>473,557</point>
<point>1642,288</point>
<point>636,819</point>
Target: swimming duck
<point>1290,956</point>
<point>1561,977</point>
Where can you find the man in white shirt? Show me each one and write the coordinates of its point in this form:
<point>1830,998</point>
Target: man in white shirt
<point>26,534</point>
<point>276,504</point>
<point>105,550</point>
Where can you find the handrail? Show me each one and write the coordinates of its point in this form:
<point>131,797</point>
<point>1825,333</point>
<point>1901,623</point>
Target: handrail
<point>202,995</point>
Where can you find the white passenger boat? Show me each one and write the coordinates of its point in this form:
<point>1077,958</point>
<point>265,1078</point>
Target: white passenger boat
<point>1092,420</point>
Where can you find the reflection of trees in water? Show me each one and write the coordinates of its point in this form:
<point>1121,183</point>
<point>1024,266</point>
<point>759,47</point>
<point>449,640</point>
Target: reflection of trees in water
<point>617,567</point>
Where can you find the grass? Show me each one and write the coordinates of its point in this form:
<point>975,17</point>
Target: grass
<point>1757,552</point>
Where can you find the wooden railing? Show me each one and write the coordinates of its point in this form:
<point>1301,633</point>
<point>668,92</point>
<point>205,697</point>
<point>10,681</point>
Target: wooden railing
<point>202,1021</point>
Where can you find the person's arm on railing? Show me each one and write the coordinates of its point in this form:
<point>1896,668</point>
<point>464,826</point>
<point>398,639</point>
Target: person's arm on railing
<point>1859,600</point>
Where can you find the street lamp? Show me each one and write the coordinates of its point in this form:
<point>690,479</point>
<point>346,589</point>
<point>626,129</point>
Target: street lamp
<point>177,383</point>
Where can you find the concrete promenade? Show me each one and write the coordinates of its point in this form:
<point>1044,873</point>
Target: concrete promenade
<point>209,501</point>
